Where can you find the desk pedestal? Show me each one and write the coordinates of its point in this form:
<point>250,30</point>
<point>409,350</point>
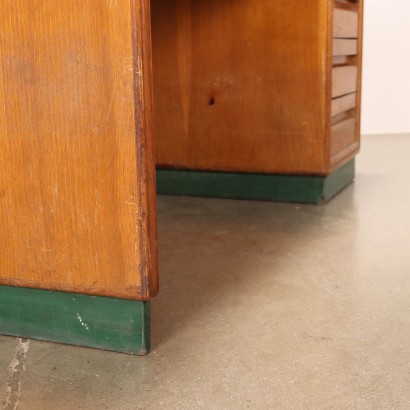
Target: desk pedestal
<point>78,261</point>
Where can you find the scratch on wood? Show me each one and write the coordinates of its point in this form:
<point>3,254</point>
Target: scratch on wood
<point>132,202</point>
<point>17,369</point>
<point>112,159</point>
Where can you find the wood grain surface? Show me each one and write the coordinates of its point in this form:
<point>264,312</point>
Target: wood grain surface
<point>77,199</point>
<point>240,85</point>
<point>248,88</point>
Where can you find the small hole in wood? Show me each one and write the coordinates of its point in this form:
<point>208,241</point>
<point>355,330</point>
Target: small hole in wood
<point>212,101</point>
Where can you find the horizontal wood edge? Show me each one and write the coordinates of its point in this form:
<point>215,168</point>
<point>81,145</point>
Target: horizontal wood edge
<point>344,156</point>
<point>343,134</point>
<point>344,103</point>
<point>133,294</point>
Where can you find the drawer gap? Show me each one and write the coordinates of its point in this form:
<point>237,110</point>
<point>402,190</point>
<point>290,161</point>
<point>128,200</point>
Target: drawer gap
<point>336,119</point>
<point>344,103</point>
<point>346,5</point>
<point>341,61</point>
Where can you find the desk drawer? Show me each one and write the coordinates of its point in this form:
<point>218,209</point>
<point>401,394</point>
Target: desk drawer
<point>343,134</point>
<point>344,47</point>
<point>345,23</point>
<point>344,80</point>
<point>343,104</point>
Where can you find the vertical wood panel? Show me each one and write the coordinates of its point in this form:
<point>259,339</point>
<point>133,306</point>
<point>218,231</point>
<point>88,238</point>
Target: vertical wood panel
<point>240,86</point>
<point>74,166</point>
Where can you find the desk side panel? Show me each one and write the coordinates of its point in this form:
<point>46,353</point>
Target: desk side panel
<point>76,212</point>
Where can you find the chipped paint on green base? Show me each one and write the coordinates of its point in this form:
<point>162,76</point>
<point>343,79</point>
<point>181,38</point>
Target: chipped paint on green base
<point>90,321</point>
<point>264,187</point>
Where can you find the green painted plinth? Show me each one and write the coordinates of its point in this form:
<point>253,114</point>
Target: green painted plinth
<point>264,187</point>
<point>89,321</point>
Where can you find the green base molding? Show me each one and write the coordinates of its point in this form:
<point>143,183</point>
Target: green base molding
<point>98,322</point>
<point>265,187</point>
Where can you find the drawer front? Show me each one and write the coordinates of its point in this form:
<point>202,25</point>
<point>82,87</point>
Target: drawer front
<point>342,104</point>
<point>343,47</point>
<point>346,61</point>
<point>344,80</point>
<point>343,135</point>
<point>345,23</point>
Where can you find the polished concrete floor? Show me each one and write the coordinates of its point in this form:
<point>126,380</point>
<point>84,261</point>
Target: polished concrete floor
<point>262,306</point>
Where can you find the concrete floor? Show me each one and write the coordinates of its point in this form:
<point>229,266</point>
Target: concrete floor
<point>262,306</point>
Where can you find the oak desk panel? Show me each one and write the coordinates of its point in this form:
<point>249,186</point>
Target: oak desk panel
<point>77,200</point>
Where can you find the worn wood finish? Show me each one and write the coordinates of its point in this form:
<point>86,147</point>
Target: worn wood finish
<point>77,201</point>
<point>254,99</point>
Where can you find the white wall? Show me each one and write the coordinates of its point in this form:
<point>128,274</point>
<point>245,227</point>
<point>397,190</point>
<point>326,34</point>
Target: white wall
<point>386,67</point>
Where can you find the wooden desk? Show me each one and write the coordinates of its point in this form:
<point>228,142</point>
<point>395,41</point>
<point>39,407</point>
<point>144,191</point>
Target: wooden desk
<point>244,91</point>
<point>249,92</point>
